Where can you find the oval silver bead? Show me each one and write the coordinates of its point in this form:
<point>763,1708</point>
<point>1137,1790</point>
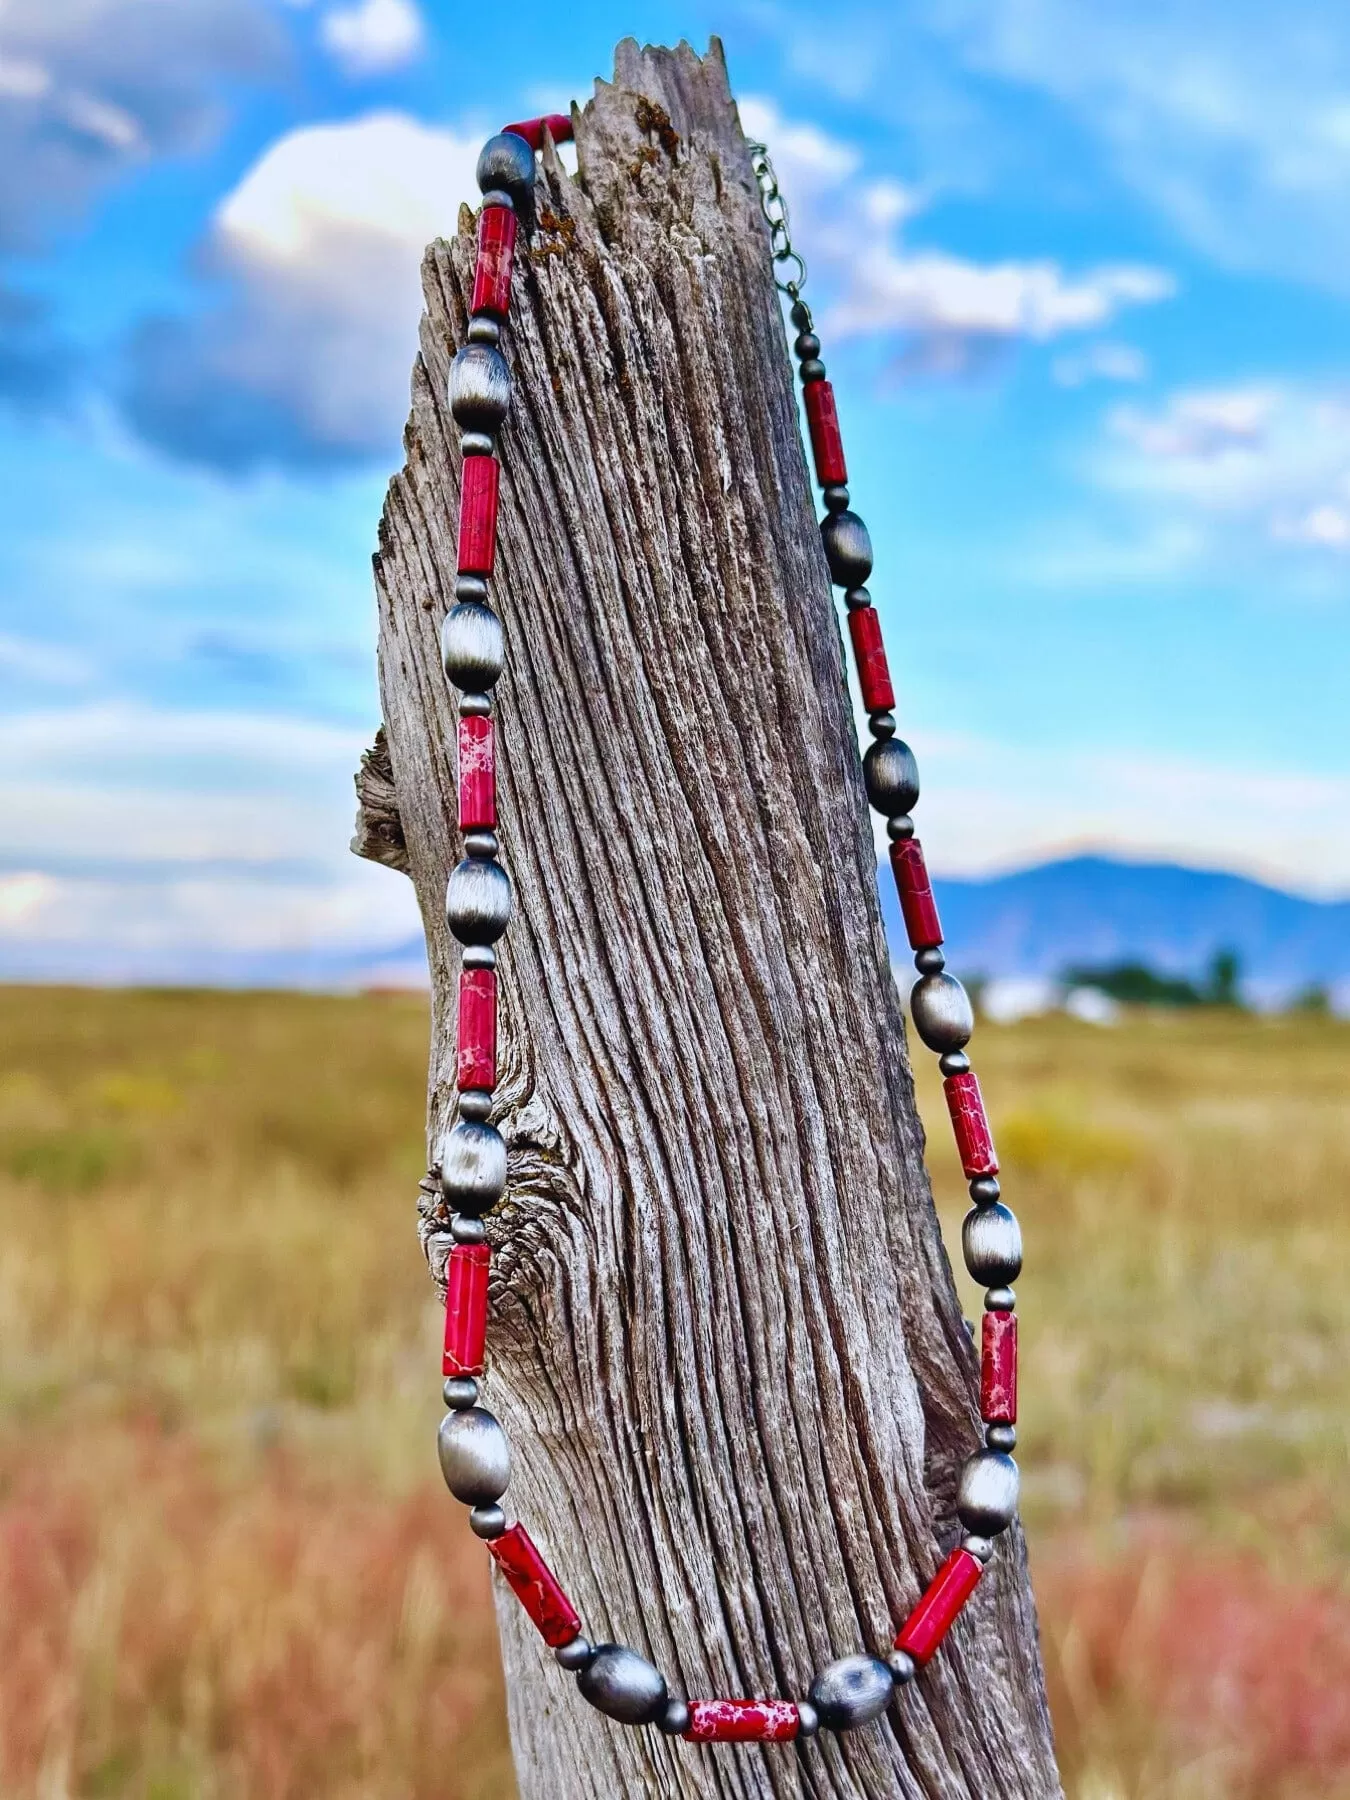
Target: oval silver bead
<point>475,1456</point>
<point>891,776</point>
<point>480,388</point>
<point>851,1692</point>
<point>992,1241</point>
<point>506,161</point>
<point>478,901</point>
<point>848,549</point>
<point>473,646</point>
<point>941,1010</point>
<point>473,1167</point>
<point>986,1495</point>
<point>623,1685</point>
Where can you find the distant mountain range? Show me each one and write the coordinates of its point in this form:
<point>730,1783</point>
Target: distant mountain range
<point>1095,910</point>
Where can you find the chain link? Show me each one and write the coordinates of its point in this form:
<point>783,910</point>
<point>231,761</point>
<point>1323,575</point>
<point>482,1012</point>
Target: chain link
<point>789,266</point>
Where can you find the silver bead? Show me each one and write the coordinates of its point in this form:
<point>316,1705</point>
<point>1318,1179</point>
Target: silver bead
<point>835,498</point>
<point>498,197</point>
<point>480,388</point>
<point>459,1392</point>
<point>902,1666</point>
<point>619,1682</point>
<point>930,961</point>
<point>984,1190</point>
<point>467,1231</point>
<point>479,956</point>
<point>478,902</point>
<point>855,598</point>
<point>808,1719</point>
<point>487,1522</point>
<point>475,1103</point>
<point>507,162</point>
<point>484,330</point>
<point>986,1495</point>
<point>1000,1299</point>
<point>476,443</point>
<point>848,548</point>
<point>851,1692</point>
<point>941,1011</point>
<point>475,1456</point>
<point>674,1718</point>
<point>473,1166</point>
<point>481,844</point>
<point>474,706</point>
<point>471,587</point>
<point>1001,1437</point>
<point>574,1656</point>
<point>891,776</point>
<point>954,1062</point>
<point>813,369</point>
<point>992,1241</point>
<point>881,724</point>
<point>807,345</point>
<point>981,1548</point>
<point>901,826</point>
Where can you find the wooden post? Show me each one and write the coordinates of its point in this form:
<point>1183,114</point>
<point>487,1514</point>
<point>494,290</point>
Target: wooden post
<point>726,1343</point>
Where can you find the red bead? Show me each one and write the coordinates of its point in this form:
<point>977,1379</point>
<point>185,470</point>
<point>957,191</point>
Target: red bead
<point>466,1305</point>
<point>869,658</point>
<point>998,1369</point>
<point>827,446</point>
<point>478,515</point>
<point>742,1721</point>
<point>943,1599</point>
<point>973,1142</point>
<point>536,1586</point>
<point>477,774</point>
<point>532,130</point>
<point>476,1029</point>
<point>496,253</point>
<point>916,894</point>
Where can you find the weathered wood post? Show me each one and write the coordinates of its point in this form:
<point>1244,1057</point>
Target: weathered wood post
<point>726,1342</point>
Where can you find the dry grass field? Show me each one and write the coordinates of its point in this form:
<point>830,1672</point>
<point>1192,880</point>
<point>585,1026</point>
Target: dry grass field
<point>227,1569</point>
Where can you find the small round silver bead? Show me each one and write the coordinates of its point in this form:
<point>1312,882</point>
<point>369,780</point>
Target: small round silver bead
<point>506,161</point>
<point>475,1456</point>
<point>574,1656</point>
<point>852,1691</point>
<point>1001,1437</point>
<point>484,330</point>
<point>467,1231</point>
<point>941,1011</point>
<point>954,1062</point>
<point>478,956</point>
<point>856,598</point>
<point>812,370</point>
<point>808,1719</point>
<point>984,1190</point>
<point>902,1666</point>
<point>476,443</point>
<point>460,1392</point>
<point>981,1548</point>
<point>900,827</point>
<point>848,547</point>
<point>473,1166</point>
<point>835,498</point>
<point>480,388</point>
<point>478,901</point>
<point>807,345</point>
<point>471,587</point>
<point>881,724</point>
<point>986,1495</point>
<point>891,776</point>
<point>623,1685</point>
<point>1000,1299</point>
<point>674,1718</point>
<point>474,706</point>
<point>498,197</point>
<point>475,1103</point>
<point>481,844</point>
<point>487,1522</point>
<point>991,1239</point>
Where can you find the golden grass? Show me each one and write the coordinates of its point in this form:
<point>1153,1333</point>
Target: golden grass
<point>226,1572</point>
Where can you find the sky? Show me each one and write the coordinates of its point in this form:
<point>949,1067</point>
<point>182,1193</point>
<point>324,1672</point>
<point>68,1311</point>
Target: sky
<point>1083,280</point>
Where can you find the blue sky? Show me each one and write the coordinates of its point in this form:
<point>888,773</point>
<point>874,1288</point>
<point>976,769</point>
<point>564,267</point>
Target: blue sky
<point>1083,275</point>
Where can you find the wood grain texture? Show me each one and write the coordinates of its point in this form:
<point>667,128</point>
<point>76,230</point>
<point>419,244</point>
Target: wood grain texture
<point>725,1343</point>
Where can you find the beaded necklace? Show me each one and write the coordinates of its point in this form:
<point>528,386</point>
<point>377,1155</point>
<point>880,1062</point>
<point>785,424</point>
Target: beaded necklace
<point>474,1454</point>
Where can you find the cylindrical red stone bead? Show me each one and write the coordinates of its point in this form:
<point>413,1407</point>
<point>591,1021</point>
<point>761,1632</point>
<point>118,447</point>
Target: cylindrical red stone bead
<point>943,1599</point>
<point>477,774</point>
<point>496,253</point>
<point>998,1369</point>
<point>922,925</point>
<point>827,445</point>
<point>869,658</point>
<point>476,1029</point>
<point>532,130</point>
<point>742,1721</point>
<point>973,1141</point>
<point>536,1587</point>
<point>478,515</point>
<point>466,1309</point>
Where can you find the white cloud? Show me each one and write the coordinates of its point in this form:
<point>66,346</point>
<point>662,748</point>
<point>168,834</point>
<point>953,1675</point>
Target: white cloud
<point>1102,361</point>
<point>374,35</point>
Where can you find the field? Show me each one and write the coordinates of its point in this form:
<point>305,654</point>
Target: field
<point>227,1571</point>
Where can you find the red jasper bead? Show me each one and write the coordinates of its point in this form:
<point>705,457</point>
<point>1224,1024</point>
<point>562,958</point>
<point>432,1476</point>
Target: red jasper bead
<point>476,1029</point>
<point>922,925</point>
<point>536,1586</point>
<point>742,1721</point>
<point>942,1600</point>
<point>827,444</point>
<point>496,254</point>
<point>974,1142</point>
<point>478,515</point>
<point>477,774</point>
<point>532,130</point>
<point>466,1308</point>
<point>869,658</point>
<point>998,1369</point>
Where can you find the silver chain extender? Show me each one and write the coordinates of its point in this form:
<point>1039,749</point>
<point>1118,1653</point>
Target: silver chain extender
<point>775,210</point>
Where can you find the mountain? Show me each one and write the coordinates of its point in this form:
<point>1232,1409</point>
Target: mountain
<point>1095,910</point>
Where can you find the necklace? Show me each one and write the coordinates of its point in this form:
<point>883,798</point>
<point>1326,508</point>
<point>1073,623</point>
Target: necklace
<point>474,1455</point>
